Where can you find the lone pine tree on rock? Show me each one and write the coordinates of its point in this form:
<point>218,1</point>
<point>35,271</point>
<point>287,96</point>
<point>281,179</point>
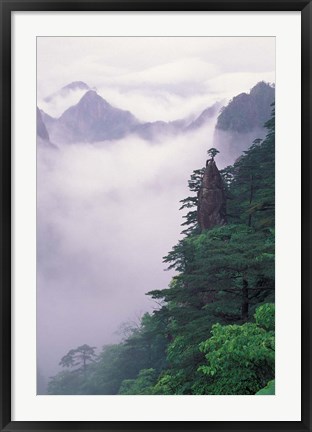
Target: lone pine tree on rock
<point>213,153</point>
<point>211,210</point>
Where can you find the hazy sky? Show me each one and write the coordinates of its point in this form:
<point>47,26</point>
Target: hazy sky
<point>155,78</point>
<point>108,213</point>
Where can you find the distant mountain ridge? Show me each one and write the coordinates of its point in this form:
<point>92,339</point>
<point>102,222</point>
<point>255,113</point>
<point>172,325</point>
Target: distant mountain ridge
<point>205,116</point>
<point>93,119</point>
<point>43,138</point>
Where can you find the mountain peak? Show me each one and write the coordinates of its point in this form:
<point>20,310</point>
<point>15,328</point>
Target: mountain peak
<point>261,87</point>
<point>92,97</point>
<point>91,93</point>
<point>248,111</point>
<point>92,119</point>
<point>75,86</point>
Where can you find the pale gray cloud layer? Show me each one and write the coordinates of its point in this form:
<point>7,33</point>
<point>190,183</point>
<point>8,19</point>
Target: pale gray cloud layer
<point>107,215</point>
<point>155,78</point>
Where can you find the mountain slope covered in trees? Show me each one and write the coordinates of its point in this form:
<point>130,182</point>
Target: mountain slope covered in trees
<point>213,332</point>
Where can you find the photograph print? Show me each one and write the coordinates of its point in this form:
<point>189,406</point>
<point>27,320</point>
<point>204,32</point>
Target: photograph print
<point>155,216</point>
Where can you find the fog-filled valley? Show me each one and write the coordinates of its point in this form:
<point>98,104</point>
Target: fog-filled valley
<point>109,184</point>
<point>107,214</point>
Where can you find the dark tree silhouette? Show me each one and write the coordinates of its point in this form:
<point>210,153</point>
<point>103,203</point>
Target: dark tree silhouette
<point>80,356</point>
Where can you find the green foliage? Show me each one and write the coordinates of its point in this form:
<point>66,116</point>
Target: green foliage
<point>72,382</point>
<point>143,384</point>
<point>265,316</point>
<point>111,370</point>
<point>167,385</point>
<point>240,358</point>
<point>232,264</point>
<point>65,383</point>
<point>251,183</point>
<point>212,152</point>
<point>269,389</point>
<point>191,203</point>
<point>80,356</point>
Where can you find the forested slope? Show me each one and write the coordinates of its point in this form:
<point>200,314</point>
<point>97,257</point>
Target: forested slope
<point>213,332</point>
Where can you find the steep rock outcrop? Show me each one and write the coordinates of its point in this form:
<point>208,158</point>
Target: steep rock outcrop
<point>242,121</point>
<point>211,209</point>
<point>247,111</point>
<point>41,129</point>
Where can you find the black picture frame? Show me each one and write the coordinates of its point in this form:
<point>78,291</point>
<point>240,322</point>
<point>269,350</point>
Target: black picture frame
<point>7,7</point>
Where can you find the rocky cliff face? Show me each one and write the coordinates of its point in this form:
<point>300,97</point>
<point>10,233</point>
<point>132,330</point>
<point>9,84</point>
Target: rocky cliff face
<point>41,129</point>
<point>211,209</point>
<point>242,121</point>
<point>247,111</point>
